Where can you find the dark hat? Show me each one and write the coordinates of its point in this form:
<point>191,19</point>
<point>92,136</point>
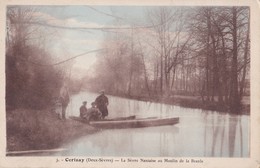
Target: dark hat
<point>84,102</point>
<point>93,103</point>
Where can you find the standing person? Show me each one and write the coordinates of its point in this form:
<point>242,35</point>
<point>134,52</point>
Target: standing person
<point>65,99</point>
<point>102,103</point>
<point>83,110</point>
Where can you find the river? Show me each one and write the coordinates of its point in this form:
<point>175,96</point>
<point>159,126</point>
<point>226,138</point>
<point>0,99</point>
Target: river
<point>200,133</point>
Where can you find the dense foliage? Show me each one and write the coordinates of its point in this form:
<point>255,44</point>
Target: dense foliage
<point>30,82</point>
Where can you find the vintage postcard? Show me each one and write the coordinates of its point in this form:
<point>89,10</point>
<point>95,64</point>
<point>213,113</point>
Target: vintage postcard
<point>130,84</point>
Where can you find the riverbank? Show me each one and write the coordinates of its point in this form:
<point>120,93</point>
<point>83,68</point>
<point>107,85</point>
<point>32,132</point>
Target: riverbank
<point>190,102</point>
<point>41,129</point>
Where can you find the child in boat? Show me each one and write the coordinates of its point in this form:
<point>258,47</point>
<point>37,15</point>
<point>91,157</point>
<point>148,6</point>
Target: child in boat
<point>93,113</point>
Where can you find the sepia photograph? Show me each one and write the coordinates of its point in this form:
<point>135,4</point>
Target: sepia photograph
<point>128,81</point>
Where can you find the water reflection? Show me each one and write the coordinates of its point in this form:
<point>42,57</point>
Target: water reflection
<point>226,140</point>
<point>199,133</point>
<point>126,142</point>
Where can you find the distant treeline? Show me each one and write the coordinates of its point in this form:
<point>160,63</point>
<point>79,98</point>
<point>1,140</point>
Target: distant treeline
<point>201,51</point>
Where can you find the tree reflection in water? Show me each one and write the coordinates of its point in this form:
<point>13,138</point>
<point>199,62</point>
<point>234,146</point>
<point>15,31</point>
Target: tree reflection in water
<point>225,136</point>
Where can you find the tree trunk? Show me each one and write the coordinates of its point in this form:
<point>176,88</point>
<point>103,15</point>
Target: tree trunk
<point>242,85</point>
<point>131,64</point>
<point>234,99</point>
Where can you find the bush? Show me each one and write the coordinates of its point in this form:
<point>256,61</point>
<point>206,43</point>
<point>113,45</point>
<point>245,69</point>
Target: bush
<point>27,84</point>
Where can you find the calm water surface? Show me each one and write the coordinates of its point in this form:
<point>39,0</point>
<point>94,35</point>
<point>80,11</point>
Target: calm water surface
<point>200,133</point>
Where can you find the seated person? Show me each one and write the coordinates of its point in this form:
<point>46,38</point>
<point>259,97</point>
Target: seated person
<point>83,110</point>
<point>93,113</point>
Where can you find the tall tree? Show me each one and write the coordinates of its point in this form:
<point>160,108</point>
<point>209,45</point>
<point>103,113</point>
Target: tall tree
<point>28,83</point>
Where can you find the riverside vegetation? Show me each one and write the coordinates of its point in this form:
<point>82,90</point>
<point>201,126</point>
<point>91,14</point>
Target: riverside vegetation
<point>193,57</point>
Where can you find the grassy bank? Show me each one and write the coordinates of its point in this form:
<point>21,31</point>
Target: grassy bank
<point>35,130</point>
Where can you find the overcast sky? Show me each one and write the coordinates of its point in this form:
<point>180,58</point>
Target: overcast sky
<point>74,42</point>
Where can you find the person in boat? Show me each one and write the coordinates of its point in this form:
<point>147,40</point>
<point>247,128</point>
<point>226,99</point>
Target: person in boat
<point>102,103</point>
<point>93,113</point>
<point>83,110</point>
<point>64,99</point>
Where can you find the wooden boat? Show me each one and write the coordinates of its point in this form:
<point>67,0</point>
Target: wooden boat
<point>135,123</point>
<point>108,119</point>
